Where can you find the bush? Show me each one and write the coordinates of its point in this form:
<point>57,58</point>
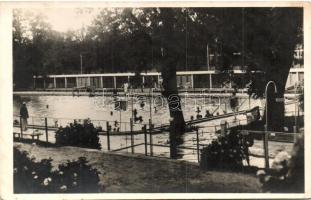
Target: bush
<point>38,177</point>
<point>287,172</point>
<point>227,152</point>
<point>81,135</point>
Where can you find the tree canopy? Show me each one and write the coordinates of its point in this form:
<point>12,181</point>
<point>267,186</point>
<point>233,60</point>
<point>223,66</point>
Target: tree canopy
<point>131,39</point>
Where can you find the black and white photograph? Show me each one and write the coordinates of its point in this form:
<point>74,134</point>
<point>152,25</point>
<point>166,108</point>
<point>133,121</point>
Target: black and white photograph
<point>157,99</point>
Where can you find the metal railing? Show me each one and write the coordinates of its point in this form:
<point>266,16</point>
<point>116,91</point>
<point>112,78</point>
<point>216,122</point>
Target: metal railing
<point>145,138</point>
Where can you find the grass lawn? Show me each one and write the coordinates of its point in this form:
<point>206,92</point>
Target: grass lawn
<point>137,173</point>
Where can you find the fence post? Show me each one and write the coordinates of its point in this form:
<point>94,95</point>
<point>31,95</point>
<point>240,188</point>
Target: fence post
<point>21,125</point>
<point>132,136</point>
<point>150,132</point>
<point>266,149</point>
<point>145,135</point>
<point>198,148</point>
<point>108,135</point>
<point>46,129</point>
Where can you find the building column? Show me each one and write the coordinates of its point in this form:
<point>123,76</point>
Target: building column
<point>54,82</point>
<point>297,78</point>
<point>65,82</point>
<point>101,82</point>
<point>210,81</point>
<point>143,79</point>
<point>192,81</point>
<point>115,82</point>
<point>89,81</point>
<point>44,83</point>
<point>77,82</point>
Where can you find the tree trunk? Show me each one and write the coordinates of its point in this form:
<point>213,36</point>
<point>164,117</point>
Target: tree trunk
<point>276,109</point>
<point>177,122</point>
<point>170,58</point>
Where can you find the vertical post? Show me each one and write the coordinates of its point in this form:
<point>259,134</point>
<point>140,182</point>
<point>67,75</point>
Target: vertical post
<point>207,57</point>
<point>225,104</point>
<point>34,82</point>
<point>210,80</point>
<point>219,104</point>
<point>115,82</point>
<point>21,125</point>
<point>88,81</point>
<point>65,82</point>
<point>46,129</point>
<point>198,148</point>
<point>120,118</point>
<point>81,63</point>
<point>192,81</point>
<point>150,132</point>
<point>108,135</point>
<point>54,82</point>
<point>132,136</point>
<point>101,82</point>
<point>44,85</point>
<point>150,103</point>
<point>266,150</point>
<point>77,82</point>
<point>145,136</point>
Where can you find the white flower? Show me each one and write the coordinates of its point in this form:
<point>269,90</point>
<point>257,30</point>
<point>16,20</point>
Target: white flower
<point>60,172</point>
<point>260,172</point>
<point>35,177</point>
<point>33,172</point>
<point>75,174</point>
<point>267,178</point>
<point>74,183</point>
<point>281,156</point>
<point>63,188</point>
<point>46,182</point>
<point>25,168</point>
<point>15,170</point>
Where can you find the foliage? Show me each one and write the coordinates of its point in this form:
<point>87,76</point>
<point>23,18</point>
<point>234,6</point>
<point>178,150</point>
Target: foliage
<point>131,39</point>
<point>227,152</point>
<point>38,177</point>
<point>287,172</point>
<point>81,135</point>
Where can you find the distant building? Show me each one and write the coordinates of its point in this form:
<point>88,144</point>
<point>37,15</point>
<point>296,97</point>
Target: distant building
<point>210,78</point>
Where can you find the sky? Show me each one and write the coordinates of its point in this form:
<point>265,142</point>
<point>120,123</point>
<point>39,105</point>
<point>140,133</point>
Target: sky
<point>64,19</point>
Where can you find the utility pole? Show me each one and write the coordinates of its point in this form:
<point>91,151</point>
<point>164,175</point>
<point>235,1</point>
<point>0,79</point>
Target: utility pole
<point>81,63</point>
<point>207,58</point>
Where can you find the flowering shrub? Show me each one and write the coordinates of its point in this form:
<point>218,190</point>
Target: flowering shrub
<point>227,151</point>
<point>38,177</point>
<point>287,172</point>
<point>81,135</point>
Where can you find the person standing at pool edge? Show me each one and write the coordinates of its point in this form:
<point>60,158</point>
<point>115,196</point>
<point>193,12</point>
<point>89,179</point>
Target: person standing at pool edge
<point>24,116</point>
